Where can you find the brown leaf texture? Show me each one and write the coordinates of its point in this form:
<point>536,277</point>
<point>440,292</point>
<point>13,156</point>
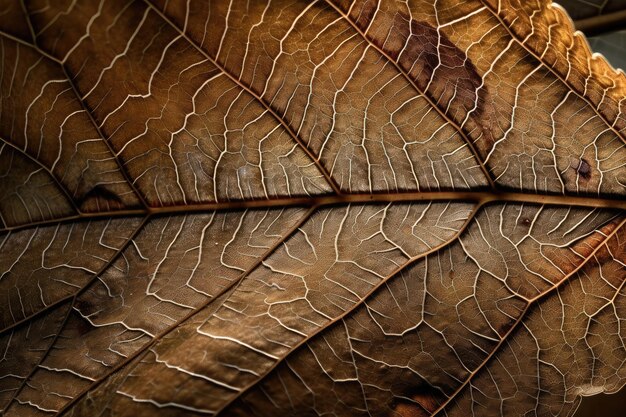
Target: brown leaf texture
<point>367,208</point>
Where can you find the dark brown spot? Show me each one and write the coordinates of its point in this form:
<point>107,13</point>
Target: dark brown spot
<point>435,64</point>
<point>525,221</point>
<point>445,74</point>
<point>344,5</point>
<point>362,16</point>
<point>583,169</point>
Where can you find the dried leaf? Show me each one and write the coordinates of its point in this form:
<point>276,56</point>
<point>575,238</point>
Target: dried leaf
<point>308,208</point>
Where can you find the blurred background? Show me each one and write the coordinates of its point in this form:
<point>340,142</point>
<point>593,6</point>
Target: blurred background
<point>604,24</point>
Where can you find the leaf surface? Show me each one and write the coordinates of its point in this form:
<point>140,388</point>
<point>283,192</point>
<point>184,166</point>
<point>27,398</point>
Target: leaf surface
<point>308,208</point>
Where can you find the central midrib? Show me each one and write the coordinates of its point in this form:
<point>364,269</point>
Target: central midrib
<point>482,197</point>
